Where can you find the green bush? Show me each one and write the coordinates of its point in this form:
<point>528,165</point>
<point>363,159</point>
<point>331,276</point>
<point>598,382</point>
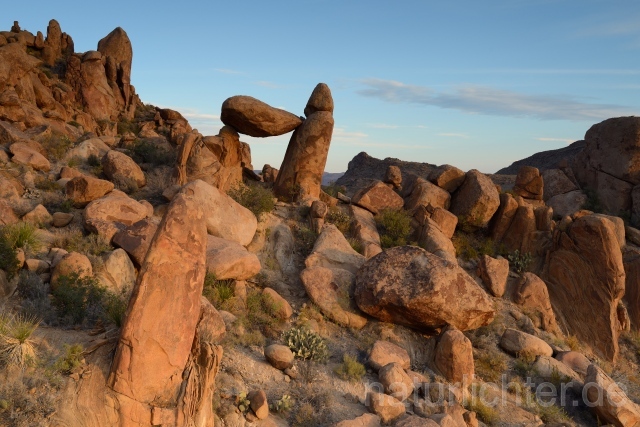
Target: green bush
<point>44,184</point>
<point>8,259</point>
<point>23,236</point>
<point>593,202</point>
<point>519,261</point>
<point>35,297</point>
<point>91,244</point>
<point>340,219</point>
<point>262,312</point>
<point>148,152</point>
<point>254,197</point>
<point>71,360</point>
<point>83,299</point>
<point>218,292</point>
<point>306,238</point>
<point>283,405</point>
<point>350,369</point>
<point>125,126</point>
<point>394,227</point>
<point>333,189</point>
<point>306,344</point>
<point>56,145</point>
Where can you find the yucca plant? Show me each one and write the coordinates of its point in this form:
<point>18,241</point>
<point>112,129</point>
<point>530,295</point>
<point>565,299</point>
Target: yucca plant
<point>16,346</point>
<point>22,235</point>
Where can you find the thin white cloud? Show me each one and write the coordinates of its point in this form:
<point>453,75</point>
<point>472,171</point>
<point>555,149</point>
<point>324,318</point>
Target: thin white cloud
<point>565,140</point>
<point>454,135</point>
<point>614,25</point>
<point>475,99</point>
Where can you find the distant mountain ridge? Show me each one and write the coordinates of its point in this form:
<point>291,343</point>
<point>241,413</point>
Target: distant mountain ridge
<point>363,169</point>
<point>545,159</point>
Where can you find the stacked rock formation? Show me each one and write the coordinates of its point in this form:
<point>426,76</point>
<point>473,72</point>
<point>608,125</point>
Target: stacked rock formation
<point>223,160</point>
<point>301,171</point>
<point>45,83</point>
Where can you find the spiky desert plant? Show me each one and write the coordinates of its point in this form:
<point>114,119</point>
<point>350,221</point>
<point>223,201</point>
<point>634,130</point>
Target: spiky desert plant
<point>16,346</point>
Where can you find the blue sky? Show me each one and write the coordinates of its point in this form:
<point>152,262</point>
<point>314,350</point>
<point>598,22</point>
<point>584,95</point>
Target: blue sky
<point>476,84</point>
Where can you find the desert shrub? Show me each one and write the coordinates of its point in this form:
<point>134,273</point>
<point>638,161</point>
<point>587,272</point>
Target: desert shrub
<point>65,206</point>
<point>147,152</point>
<point>93,160</point>
<point>115,306</point>
<point>242,402</point>
<point>8,259</point>
<point>218,292</point>
<point>486,413</point>
<point>306,344</point>
<point>490,365</point>
<point>84,299</point>
<point>73,162</point>
<point>519,261</point>
<point>254,197</point>
<point>356,245</point>
<point>333,189</point>
<point>26,400</point>
<point>523,364</point>
<point>283,405</point>
<point>463,246</point>
<point>75,241</point>
<point>262,312</point>
<point>350,369</point>
<point>125,126</point>
<point>73,355</point>
<point>338,218</point>
<point>394,227</point>
<point>306,238</point>
<point>56,145</point>
<point>44,184</point>
<point>35,297</point>
<point>16,346</point>
<point>305,415</point>
<point>593,202</point>
<point>21,236</point>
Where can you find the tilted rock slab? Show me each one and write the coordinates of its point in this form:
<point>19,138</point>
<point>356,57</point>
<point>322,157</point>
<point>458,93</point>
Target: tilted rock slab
<point>610,402</point>
<point>586,280</point>
<point>301,171</point>
<point>409,286</point>
<point>253,117</point>
<point>157,337</point>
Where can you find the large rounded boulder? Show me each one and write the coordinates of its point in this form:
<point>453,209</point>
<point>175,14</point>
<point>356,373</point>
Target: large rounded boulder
<point>253,117</point>
<point>409,286</point>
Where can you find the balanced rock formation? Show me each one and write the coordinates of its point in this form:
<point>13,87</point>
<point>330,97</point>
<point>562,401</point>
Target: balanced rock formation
<point>301,171</point>
<point>586,280</point>
<point>253,117</point>
<point>409,286</point>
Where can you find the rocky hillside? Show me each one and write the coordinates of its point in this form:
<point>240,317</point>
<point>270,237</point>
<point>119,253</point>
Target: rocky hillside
<point>150,277</point>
